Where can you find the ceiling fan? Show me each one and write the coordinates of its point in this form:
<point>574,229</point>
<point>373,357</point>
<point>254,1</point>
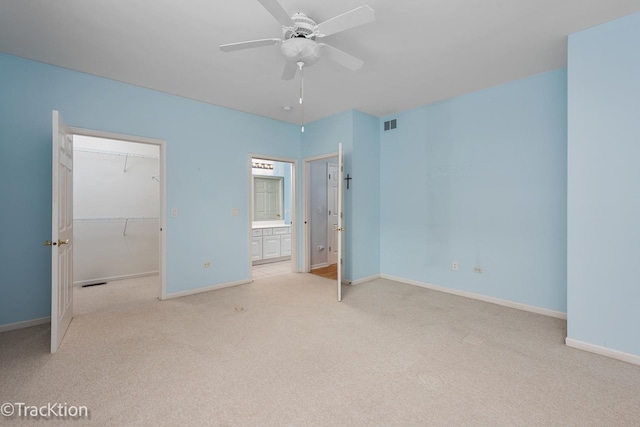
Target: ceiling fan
<point>299,37</point>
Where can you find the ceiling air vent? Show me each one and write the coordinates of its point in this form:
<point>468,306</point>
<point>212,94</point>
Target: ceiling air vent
<point>390,124</point>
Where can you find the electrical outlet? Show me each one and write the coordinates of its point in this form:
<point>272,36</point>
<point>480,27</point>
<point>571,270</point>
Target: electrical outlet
<point>206,264</point>
<point>235,212</point>
<point>454,266</point>
<point>477,269</point>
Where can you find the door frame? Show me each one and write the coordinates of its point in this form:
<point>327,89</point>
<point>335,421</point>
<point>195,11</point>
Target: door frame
<point>331,233</point>
<point>162,145</point>
<point>306,207</point>
<point>294,207</point>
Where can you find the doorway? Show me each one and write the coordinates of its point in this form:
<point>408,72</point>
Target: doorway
<point>272,216</point>
<point>321,216</point>
<point>119,221</point>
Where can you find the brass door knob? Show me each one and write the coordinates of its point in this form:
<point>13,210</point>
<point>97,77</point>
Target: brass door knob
<point>60,242</point>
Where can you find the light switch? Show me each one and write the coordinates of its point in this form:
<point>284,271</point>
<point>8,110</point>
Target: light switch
<point>174,212</point>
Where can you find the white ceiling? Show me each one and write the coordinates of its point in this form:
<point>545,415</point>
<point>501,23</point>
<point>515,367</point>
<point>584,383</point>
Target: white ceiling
<point>415,53</point>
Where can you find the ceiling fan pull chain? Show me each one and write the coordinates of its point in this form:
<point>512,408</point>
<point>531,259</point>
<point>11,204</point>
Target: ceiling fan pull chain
<point>301,65</point>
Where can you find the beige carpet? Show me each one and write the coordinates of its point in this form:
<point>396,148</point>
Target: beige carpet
<point>282,352</point>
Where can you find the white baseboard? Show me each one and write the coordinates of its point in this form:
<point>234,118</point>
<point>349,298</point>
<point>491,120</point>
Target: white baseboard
<point>492,300</point>
<point>112,278</point>
<point>206,289</point>
<point>25,324</point>
<point>364,280</point>
<point>603,351</point>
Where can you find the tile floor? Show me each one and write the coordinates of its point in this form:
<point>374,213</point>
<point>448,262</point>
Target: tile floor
<point>272,269</point>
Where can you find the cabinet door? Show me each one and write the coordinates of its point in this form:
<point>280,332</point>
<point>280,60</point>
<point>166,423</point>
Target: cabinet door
<point>270,247</point>
<point>285,245</point>
<point>256,248</point>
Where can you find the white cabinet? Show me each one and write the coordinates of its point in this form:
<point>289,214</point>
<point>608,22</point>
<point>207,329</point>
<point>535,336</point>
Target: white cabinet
<point>270,243</point>
<point>270,247</point>
<point>256,248</point>
<point>256,244</point>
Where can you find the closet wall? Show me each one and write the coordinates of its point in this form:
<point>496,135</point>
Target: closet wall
<point>116,209</point>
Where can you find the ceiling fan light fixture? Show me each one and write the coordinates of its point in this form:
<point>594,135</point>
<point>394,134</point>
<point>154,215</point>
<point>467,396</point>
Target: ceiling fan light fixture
<point>301,49</point>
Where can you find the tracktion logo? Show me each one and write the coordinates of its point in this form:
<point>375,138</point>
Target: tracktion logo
<point>50,410</point>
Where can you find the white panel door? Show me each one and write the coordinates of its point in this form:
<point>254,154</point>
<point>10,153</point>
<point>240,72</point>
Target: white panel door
<point>61,231</point>
<point>340,227</point>
<point>332,208</point>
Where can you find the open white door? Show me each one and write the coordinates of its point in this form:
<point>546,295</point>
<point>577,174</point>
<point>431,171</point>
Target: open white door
<point>340,228</point>
<point>61,231</point>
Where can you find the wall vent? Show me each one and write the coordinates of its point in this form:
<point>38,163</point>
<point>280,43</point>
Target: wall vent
<point>390,124</point>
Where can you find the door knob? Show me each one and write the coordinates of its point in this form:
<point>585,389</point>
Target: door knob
<point>60,242</point>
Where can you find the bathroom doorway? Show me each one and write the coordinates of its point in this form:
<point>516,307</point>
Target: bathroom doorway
<point>272,216</point>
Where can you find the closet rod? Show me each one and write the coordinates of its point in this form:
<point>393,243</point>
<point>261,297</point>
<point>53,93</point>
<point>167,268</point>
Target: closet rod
<point>116,153</point>
<point>118,219</point>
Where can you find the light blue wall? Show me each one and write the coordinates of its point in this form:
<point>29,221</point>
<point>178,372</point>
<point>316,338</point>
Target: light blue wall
<point>481,180</point>
<point>364,201</point>
<point>603,181</point>
<point>207,174</point>
<point>322,136</point>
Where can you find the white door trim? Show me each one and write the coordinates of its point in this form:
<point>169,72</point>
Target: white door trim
<point>340,227</point>
<point>294,207</point>
<point>162,145</point>
<point>306,207</point>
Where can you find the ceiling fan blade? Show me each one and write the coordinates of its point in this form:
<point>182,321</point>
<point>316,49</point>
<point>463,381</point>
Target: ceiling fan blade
<point>342,58</point>
<point>290,70</point>
<point>277,11</point>
<point>248,45</point>
<point>347,20</point>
